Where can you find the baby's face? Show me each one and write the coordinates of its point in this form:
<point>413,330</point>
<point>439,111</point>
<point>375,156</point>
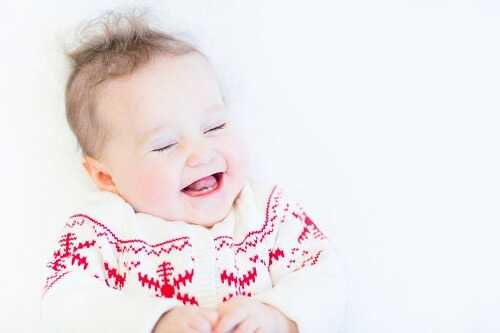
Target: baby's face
<point>172,151</point>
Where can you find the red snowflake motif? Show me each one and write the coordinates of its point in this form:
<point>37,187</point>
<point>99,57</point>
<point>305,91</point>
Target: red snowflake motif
<point>112,274</point>
<point>309,228</point>
<point>67,255</point>
<point>68,251</point>
<point>240,283</point>
<point>274,255</point>
<point>167,285</point>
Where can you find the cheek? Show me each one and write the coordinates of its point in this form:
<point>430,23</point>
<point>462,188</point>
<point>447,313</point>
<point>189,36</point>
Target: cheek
<point>154,186</point>
<point>236,154</point>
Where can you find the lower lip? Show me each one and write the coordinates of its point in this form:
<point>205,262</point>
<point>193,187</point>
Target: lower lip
<point>206,192</point>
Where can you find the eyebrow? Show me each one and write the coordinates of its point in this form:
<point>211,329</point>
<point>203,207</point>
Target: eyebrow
<point>212,109</point>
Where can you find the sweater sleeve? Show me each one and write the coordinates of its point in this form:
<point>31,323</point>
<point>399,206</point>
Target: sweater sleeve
<point>308,279</point>
<point>86,289</point>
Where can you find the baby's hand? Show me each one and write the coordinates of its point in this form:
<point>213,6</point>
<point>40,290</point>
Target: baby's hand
<point>244,315</point>
<point>186,319</point>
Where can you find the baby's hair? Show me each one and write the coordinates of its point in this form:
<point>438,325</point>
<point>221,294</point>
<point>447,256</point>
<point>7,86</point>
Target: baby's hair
<point>113,45</point>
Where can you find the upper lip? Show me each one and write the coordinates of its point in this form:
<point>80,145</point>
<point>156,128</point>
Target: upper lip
<point>198,178</point>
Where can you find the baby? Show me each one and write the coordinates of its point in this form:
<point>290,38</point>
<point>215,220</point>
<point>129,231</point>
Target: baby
<point>177,239</point>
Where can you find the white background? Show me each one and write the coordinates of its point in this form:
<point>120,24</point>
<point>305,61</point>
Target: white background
<point>383,115</point>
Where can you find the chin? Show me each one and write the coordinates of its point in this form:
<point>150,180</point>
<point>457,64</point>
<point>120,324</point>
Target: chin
<point>215,212</point>
<point>212,220</point>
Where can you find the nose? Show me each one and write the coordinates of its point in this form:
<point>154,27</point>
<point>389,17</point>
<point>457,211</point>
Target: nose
<point>201,154</point>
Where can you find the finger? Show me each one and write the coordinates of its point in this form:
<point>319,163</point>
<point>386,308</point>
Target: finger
<point>247,326</point>
<point>230,320</point>
<point>182,328</point>
<point>230,305</point>
<point>200,325</point>
<point>210,315</point>
<point>189,330</point>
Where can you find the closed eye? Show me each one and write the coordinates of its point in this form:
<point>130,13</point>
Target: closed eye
<point>165,148</point>
<point>216,128</point>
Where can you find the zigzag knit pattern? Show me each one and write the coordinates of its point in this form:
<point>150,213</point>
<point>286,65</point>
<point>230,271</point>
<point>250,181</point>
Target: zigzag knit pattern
<point>169,269</point>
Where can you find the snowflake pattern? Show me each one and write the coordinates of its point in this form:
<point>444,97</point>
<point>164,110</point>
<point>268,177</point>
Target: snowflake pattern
<point>84,236</point>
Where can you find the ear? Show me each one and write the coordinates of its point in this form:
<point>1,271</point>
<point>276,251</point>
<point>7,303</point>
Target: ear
<point>99,174</point>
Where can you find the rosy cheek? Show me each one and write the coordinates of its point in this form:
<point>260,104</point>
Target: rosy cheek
<point>236,155</point>
<point>153,188</point>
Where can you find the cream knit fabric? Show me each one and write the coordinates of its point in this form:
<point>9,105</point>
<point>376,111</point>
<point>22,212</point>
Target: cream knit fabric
<point>114,270</point>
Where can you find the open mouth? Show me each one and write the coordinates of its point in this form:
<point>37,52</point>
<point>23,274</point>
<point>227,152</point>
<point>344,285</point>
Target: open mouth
<point>204,185</point>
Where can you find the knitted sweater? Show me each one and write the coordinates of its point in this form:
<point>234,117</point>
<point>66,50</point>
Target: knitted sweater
<point>116,270</point>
